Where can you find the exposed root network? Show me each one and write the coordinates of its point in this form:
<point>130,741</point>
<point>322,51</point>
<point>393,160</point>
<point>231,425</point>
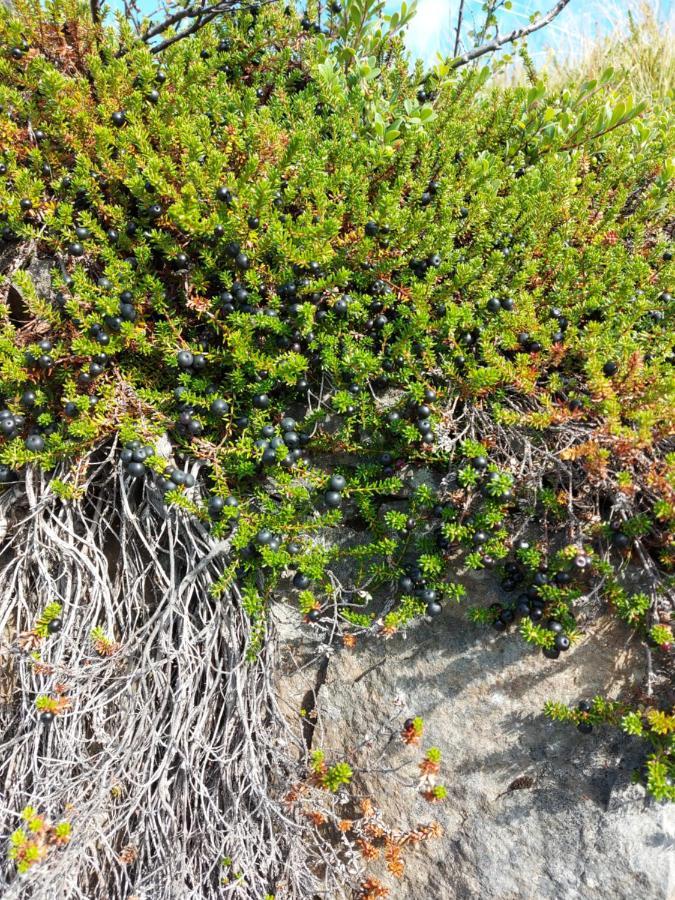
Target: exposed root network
<point>170,758</point>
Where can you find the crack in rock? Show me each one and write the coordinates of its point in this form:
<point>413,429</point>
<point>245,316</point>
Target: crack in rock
<point>309,702</point>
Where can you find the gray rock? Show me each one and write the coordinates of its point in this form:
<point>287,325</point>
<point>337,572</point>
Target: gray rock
<point>580,830</point>
<point>40,269</point>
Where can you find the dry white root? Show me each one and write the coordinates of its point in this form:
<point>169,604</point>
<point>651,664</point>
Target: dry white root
<point>172,756</point>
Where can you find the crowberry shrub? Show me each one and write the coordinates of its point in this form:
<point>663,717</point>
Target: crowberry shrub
<point>301,262</point>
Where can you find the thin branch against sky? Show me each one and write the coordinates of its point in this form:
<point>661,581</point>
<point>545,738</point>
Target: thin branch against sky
<point>433,30</point>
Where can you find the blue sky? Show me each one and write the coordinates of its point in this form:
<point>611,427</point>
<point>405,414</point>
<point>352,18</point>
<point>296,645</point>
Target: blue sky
<point>430,31</point>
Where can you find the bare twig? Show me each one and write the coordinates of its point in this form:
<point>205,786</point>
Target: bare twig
<point>190,12</point>
<point>515,35</point>
<point>202,13</point>
<point>458,30</point>
<point>186,32</point>
<point>95,7</point>
<point>133,14</point>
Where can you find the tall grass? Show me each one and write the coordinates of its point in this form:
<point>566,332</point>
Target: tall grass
<point>641,46</point>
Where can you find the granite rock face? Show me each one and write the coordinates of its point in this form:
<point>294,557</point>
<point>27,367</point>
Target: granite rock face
<point>579,830</point>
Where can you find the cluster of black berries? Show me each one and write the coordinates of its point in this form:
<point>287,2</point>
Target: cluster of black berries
<point>264,538</point>
<point>495,305</point>
<point>333,496</point>
<point>12,424</point>
<point>191,362</point>
<point>44,361</point>
<point>531,604</point>
<point>174,477</point>
<point>533,608</point>
<point>386,460</point>
<point>236,298</point>
<point>216,504</point>
<point>133,457</point>
<point>188,425</point>
<point>290,440</point>
<point>421,415</point>
<point>413,583</point>
<point>430,193</point>
<point>420,267</point>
